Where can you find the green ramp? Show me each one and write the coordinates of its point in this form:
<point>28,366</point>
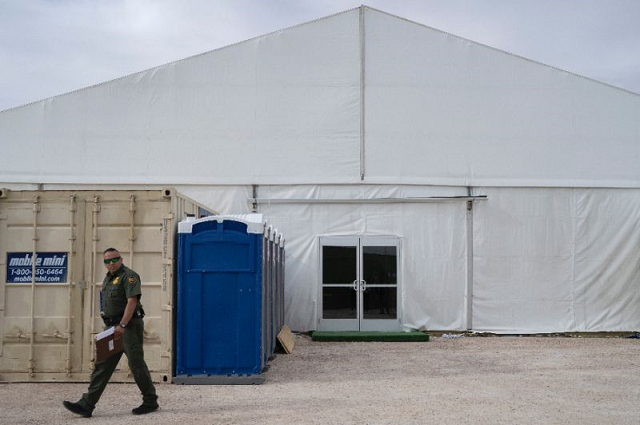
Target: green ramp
<point>414,336</point>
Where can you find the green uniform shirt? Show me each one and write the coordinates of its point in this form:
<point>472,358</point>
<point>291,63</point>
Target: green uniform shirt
<point>125,283</point>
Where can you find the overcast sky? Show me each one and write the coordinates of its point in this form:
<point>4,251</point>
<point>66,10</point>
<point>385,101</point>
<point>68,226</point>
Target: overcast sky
<point>49,47</point>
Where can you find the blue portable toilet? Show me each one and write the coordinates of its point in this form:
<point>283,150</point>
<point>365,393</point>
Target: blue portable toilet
<point>230,299</point>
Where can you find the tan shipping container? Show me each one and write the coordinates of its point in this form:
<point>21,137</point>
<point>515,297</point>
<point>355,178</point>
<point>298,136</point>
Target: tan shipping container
<point>48,322</point>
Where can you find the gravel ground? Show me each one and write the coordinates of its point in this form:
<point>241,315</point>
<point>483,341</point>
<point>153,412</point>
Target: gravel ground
<point>472,380</point>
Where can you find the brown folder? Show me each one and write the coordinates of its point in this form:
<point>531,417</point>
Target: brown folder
<point>107,345</point>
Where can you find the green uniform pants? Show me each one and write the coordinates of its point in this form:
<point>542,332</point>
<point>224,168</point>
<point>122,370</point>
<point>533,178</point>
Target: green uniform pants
<point>133,338</point>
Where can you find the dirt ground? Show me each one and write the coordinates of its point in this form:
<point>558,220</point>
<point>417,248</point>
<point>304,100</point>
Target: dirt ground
<point>472,380</point>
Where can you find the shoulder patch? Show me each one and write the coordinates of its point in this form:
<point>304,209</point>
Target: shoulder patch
<point>132,280</point>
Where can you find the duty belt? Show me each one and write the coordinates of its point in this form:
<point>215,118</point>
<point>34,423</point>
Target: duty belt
<point>115,320</point>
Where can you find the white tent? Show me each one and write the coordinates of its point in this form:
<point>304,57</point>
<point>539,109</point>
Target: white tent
<point>509,190</point>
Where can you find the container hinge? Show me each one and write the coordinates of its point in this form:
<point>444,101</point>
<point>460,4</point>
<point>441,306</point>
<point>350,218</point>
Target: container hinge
<point>169,216</point>
<point>166,307</point>
<point>150,336</point>
<point>19,334</point>
<point>57,334</point>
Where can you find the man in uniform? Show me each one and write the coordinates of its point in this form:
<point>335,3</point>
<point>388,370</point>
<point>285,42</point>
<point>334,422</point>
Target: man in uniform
<point>120,307</point>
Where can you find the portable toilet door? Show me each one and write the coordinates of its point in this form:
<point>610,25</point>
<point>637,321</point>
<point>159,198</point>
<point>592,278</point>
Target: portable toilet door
<point>220,327</point>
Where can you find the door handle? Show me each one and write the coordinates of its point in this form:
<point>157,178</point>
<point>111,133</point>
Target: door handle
<point>355,285</point>
<point>364,285</point>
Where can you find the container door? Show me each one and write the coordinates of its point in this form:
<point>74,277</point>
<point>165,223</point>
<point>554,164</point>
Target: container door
<point>138,225</point>
<point>339,263</point>
<point>359,284</point>
<point>41,322</point>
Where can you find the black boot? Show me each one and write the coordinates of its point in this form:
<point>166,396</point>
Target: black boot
<point>77,409</point>
<point>144,409</point>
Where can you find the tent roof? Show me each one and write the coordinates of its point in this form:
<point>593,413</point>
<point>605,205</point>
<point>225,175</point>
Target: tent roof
<point>319,19</point>
<point>360,96</point>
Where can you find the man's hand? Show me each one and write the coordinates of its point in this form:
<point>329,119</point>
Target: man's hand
<point>119,332</point>
<point>132,302</point>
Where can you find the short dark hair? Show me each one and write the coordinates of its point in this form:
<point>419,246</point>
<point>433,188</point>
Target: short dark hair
<point>110,250</point>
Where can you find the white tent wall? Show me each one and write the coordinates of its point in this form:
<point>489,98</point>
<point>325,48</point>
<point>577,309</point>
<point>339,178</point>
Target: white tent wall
<point>556,260</point>
<point>279,108</point>
<point>443,110</point>
<point>544,259</point>
<point>433,246</point>
<point>607,268</point>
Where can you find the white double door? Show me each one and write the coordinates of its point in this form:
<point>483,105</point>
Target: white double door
<point>360,283</point>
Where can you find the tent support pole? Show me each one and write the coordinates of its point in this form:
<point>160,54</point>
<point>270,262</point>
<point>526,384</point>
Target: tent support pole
<point>358,201</point>
<point>470,261</point>
<point>254,204</point>
<point>362,75</point>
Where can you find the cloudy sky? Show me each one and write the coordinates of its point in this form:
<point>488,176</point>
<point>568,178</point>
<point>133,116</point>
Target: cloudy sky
<point>49,47</point>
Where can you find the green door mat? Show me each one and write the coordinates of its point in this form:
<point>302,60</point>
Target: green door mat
<point>414,336</point>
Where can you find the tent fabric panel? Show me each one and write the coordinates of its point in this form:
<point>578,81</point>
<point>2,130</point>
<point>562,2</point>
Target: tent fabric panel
<point>544,259</point>
<point>284,108</point>
<point>443,110</point>
<point>557,260</point>
<point>607,265</point>
<point>523,260</point>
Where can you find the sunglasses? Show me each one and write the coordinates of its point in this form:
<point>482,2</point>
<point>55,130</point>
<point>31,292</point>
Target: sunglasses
<point>111,260</point>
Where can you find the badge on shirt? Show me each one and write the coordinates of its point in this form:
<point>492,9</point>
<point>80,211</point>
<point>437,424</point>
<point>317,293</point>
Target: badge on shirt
<point>116,280</point>
<point>132,280</point>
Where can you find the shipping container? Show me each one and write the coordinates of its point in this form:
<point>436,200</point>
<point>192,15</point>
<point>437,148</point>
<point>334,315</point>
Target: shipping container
<point>230,299</point>
<point>49,308</point>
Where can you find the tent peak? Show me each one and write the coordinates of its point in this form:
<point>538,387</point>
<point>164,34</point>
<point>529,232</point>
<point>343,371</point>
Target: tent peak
<point>363,8</point>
